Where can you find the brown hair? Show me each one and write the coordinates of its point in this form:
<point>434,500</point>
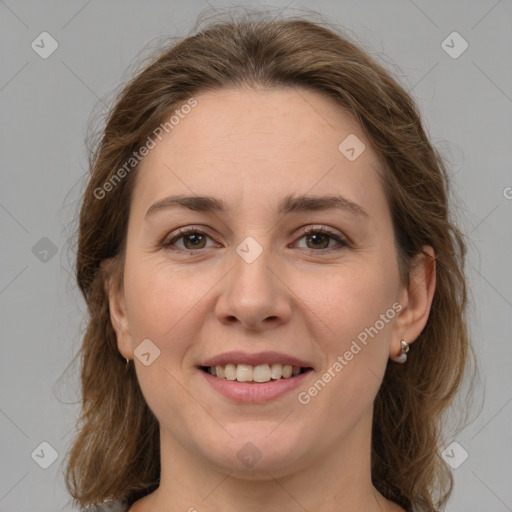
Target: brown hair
<point>116,451</point>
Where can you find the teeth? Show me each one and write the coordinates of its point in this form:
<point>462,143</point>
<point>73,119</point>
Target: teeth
<point>244,373</point>
<point>261,373</point>
<point>287,371</point>
<point>249,373</point>
<point>276,371</point>
<point>229,371</point>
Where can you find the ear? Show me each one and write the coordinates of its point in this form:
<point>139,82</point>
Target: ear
<point>117,307</point>
<point>416,300</point>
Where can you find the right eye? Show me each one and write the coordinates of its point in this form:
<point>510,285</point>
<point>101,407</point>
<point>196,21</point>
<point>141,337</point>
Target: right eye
<point>192,240</point>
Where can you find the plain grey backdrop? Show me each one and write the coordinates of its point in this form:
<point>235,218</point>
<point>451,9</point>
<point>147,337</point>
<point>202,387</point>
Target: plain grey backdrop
<point>463,85</point>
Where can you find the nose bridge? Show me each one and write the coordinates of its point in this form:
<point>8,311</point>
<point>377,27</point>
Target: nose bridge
<point>252,294</point>
<point>251,274</point>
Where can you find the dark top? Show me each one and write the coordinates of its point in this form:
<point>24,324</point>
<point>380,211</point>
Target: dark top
<point>123,506</point>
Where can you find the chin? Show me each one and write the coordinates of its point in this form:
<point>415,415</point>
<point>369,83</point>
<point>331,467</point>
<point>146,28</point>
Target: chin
<point>256,448</point>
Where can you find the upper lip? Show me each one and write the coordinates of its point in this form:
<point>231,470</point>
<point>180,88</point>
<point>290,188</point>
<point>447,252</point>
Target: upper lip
<point>269,357</point>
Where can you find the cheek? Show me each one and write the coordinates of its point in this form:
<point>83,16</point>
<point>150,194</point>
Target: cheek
<point>356,300</point>
<point>161,300</point>
<point>356,355</point>
<point>165,307</point>
<point>358,309</point>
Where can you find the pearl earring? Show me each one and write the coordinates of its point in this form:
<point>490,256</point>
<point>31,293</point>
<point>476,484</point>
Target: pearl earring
<point>402,358</point>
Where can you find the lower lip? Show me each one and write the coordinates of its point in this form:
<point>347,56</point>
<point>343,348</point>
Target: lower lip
<point>253,392</point>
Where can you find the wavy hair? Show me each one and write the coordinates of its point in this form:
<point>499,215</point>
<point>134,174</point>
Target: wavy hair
<point>115,453</point>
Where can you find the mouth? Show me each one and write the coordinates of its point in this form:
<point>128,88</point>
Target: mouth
<point>255,374</point>
<point>244,383</point>
<point>255,377</point>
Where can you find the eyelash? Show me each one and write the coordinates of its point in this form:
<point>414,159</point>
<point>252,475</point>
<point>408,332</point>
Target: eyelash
<point>167,244</point>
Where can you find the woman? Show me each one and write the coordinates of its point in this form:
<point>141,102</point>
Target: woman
<point>264,236</point>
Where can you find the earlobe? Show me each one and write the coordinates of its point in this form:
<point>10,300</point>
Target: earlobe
<point>417,302</point>
<point>117,308</point>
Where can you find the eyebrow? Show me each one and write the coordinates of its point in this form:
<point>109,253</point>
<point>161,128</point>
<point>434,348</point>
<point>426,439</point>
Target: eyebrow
<point>290,204</point>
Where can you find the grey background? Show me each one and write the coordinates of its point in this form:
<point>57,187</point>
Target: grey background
<point>45,107</point>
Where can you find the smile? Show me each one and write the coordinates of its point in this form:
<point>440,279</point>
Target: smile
<point>249,373</point>
<point>251,391</point>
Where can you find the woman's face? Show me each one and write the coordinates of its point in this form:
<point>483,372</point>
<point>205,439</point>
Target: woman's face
<point>247,284</point>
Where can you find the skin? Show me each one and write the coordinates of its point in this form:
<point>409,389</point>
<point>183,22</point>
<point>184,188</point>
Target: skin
<point>303,297</point>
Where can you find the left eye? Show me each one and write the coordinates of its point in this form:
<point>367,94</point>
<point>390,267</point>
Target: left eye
<point>321,239</point>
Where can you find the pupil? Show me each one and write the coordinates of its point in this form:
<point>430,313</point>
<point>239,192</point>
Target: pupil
<point>315,238</point>
<point>194,239</point>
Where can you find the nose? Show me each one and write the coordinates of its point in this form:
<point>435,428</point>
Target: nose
<point>254,295</point>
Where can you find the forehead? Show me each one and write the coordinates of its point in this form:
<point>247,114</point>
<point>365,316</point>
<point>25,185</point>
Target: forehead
<point>259,143</point>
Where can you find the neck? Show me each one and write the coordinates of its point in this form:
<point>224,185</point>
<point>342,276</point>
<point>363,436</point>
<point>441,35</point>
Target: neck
<point>327,481</point>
